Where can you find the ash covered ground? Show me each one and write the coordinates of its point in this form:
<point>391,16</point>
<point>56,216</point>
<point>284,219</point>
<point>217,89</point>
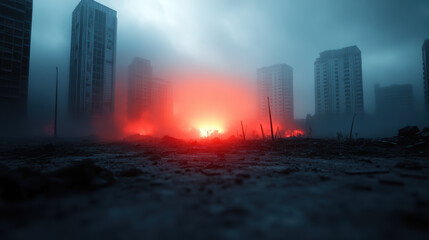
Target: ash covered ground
<point>229,189</point>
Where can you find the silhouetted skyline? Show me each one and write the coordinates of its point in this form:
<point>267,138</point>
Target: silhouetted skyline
<point>242,36</point>
<point>389,34</point>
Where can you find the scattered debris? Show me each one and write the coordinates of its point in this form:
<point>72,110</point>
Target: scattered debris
<point>409,131</point>
<point>192,177</point>
<point>83,175</point>
<point>26,183</point>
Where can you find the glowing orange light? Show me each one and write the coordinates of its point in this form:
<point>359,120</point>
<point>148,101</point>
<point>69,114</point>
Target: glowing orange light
<point>204,104</point>
<point>207,132</point>
<point>294,133</point>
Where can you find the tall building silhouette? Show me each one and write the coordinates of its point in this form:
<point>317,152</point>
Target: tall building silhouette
<point>15,39</point>
<point>425,51</point>
<point>92,59</point>
<point>276,82</point>
<point>338,82</point>
<point>139,87</point>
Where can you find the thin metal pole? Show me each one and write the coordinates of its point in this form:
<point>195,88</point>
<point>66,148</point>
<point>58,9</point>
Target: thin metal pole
<point>242,129</point>
<point>271,121</point>
<point>56,106</point>
<point>351,128</point>
<point>262,132</point>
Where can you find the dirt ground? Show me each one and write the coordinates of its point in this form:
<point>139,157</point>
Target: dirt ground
<point>218,189</point>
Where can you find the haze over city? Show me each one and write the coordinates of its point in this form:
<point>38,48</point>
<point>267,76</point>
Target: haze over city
<point>240,36</point>
<point>214,119</point>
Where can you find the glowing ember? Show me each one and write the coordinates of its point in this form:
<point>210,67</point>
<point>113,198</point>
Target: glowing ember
<point>294,133</point>
<point>207,132</point>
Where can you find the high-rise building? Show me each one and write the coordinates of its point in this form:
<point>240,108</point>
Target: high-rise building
<point>338,82</point>
<point>394,100</point>
<point>139,87</point>
<point>147,96</point>
<point>92,59</point>
<point>276,82</point>
<point>15,38</point>
<point>425,51</point>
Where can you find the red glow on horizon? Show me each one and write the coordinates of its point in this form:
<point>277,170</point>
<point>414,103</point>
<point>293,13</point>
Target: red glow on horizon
<point>140,126</point>
<point>210,104</point>
<point>294,133</point>
<point>208,132</point>
<point>204,104</point>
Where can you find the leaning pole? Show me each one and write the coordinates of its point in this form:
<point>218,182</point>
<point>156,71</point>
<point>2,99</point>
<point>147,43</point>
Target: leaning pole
<point>271,121</point>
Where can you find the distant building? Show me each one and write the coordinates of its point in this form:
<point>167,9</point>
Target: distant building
<point>15,38</point>
<point>425,50</point>
<point>161,99</point>
<point>394,100</point>
<point>276,82</point>
<point>139,87</point>
<point>92,59</point>
<point>147,94</point>
<point>338,82</point>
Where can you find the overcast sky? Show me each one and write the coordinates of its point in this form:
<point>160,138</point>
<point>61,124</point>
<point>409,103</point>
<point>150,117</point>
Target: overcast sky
<point>245,34</point>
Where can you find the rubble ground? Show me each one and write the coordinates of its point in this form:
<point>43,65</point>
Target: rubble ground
<point>229,189</point>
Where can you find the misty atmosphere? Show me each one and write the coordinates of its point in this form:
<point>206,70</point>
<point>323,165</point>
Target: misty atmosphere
<point>163,119</point>
<point>242,36</point>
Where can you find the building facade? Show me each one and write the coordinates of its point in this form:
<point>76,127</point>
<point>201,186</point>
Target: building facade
<point>394,100</point>
<point>92,59</point>
<point>276,82</point>
<point>139,87</point>
<point>15,39</point>
<point>425,50</point>
<point>338,82</point>
<point>148,96</point>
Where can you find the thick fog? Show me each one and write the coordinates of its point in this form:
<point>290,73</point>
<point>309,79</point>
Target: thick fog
<point>239,35</point>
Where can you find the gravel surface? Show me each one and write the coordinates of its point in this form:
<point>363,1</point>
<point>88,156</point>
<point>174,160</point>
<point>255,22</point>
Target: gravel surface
<point>217,189</point>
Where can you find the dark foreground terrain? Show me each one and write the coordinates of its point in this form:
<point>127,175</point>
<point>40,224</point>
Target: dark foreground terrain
<point>229,189</point>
